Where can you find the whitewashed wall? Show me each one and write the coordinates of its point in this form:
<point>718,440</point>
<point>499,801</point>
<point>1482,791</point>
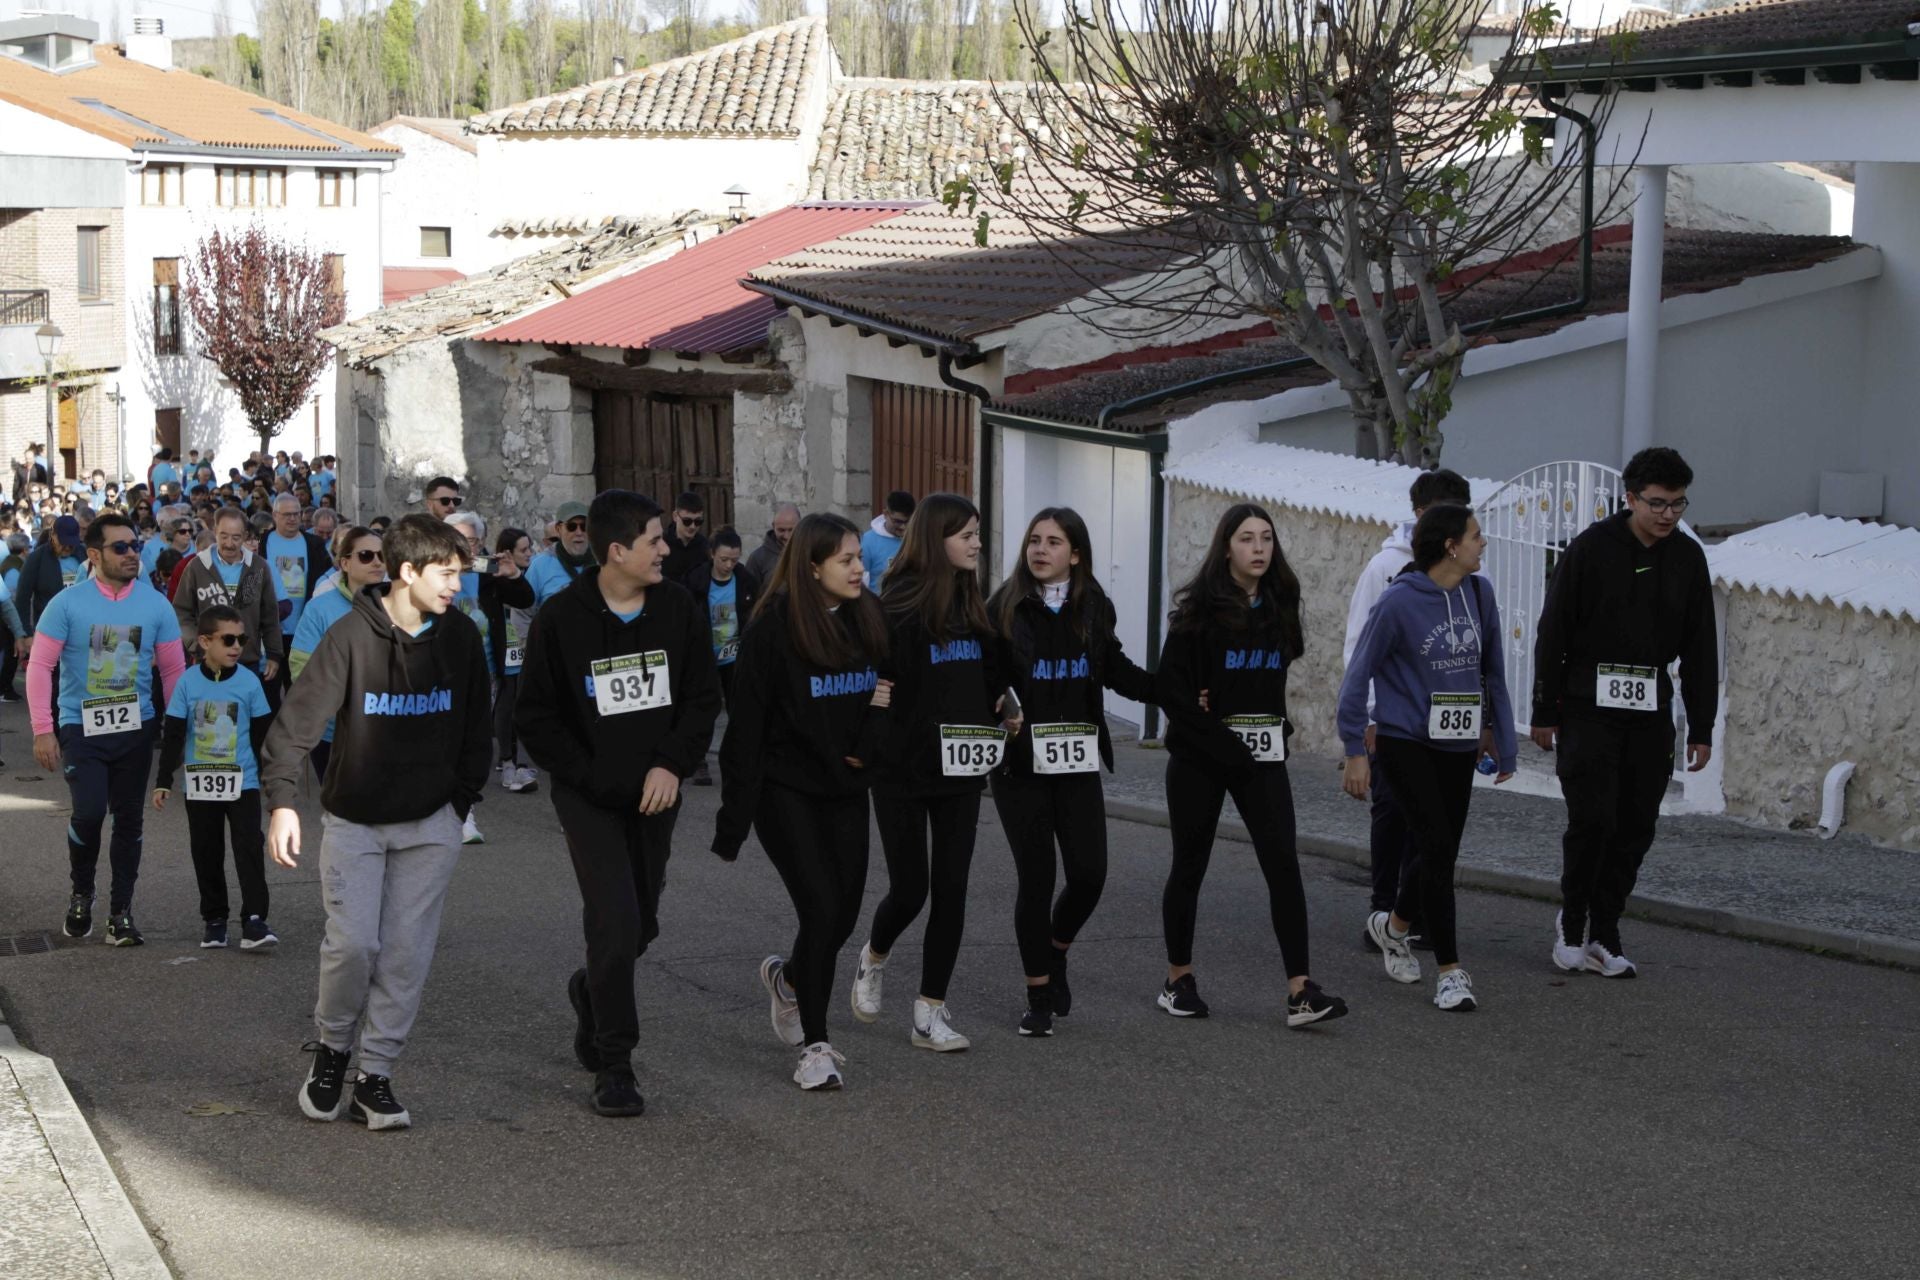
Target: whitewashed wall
<point>433,184</point>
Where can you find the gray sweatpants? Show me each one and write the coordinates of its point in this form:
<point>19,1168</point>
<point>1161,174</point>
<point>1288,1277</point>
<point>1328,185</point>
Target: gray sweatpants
<point>384,887</point>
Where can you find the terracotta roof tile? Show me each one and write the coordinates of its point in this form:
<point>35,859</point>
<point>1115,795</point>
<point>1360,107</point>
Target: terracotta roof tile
<point>177,108</point>
<point>451,132</point>
<point>753,86</point>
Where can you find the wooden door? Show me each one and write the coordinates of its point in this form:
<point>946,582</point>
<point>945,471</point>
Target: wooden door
<point>922,441</point>
<point>69,419</point>
<point>664,446</point>
<point>166,430</point>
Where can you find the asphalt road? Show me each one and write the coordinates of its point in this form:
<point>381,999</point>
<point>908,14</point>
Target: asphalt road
<point>1740,1110</point>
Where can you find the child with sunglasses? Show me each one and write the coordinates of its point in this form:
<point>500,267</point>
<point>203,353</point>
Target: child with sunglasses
<point>216,722</point>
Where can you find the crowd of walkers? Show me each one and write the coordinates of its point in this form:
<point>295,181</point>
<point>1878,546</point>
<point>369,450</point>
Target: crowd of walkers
<point>406,662</point>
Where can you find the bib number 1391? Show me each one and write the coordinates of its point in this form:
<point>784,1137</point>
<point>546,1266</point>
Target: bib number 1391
<point>632,682</point>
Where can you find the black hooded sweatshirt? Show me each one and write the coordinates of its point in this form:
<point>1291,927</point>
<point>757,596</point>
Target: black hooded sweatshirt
<point>953,681</point>
<point>1612,600</point>
<point>1243,671</point>
<point>413,720</point>
<point>606,758</point>
<point>793,723</point>
<point>1060,676</point>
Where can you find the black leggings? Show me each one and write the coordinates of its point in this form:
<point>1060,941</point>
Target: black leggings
<point>819,847</point>
<point>903,822</point>
<point>1036,812</point>
<point>1433,788</point>
<point>1265,800</point>
<point>208,823</point>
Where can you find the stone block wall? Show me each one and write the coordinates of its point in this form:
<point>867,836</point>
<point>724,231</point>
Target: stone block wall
<point>1326,553</point>
<point>1808,686</point>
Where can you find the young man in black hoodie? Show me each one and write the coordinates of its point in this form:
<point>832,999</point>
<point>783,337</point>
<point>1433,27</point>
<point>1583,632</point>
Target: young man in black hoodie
<point>618,698</point>
<point>1627,598</point>
<point>405,681</point>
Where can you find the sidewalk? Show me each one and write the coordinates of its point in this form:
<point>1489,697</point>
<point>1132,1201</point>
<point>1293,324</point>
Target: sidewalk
<point>66,1217</point>
<point>1844,896</point>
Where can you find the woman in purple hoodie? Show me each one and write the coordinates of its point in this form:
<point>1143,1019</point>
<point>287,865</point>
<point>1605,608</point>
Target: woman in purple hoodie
<point>1432,652</point>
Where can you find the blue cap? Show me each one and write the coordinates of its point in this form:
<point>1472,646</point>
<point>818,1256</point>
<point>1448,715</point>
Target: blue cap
<point>67,529</point>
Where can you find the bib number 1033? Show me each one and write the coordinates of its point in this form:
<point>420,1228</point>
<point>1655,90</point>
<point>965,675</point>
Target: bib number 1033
<point>970,750</point>
<point>631,682</point>
<point>1626,688</point>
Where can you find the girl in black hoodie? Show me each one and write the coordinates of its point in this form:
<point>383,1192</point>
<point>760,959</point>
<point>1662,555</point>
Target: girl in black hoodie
<point>1058,626</point>
<point>801,727</point>
<point>943,738</point>
<point>1223,683</point>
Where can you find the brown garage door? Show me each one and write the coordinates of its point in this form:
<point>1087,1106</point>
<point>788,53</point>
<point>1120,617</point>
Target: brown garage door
<point>922,441</point>
<point>663,447</point>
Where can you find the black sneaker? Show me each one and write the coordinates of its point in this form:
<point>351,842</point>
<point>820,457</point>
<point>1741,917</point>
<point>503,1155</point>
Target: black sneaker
<point>214,935</point>
<point>323,1095</point>
<point>121,931</point>
<point>256,933</point>
<point>582,1021</point>
<point>616,1093</point>
<point>1057,979</point>
<point>79,921</point>
<point>1038,1019</point>
<point>1181,998</point>
<point>1313,1005</point>
<point>374,1106</point>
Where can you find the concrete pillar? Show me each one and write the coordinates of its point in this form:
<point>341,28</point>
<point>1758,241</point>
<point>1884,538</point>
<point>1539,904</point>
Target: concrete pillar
<point>1643,310</point>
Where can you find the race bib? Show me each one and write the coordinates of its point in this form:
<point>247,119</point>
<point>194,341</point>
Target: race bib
<point>69,576</point>
<point>1265,736</point>
<point>516,656</point>
<point>632,682</point>
<point>1626,688</point>
<point>727,652</point>
<point>970,750</point>
<point>1065,748</point>
<point>110,715</point>
<point>1453,717</point>
<point>213,782</point>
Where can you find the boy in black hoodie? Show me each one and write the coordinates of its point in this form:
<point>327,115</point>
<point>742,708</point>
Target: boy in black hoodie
<point>404,679</point>
<point>618,698</point>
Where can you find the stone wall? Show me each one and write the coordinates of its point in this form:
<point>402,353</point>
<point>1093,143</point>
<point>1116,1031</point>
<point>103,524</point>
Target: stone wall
<point>1808,686</point>
<point>1327,554</point>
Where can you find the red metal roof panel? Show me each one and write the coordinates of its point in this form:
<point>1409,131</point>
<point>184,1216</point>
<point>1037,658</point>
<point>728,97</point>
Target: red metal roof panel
<point>397,284</point>
<point>693,301</point>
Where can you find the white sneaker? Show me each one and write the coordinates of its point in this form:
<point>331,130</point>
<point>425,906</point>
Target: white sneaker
<point>1397,953</point>
<point>516,779</point>
<point>867,977</point>
<point>1455,992</point>
<point>933,1030</point>
<point>819,1067</point>
<point>470,831</point>
<point>786,1008</point>
<point>1568,957</point>
<point>1598,959</point>
<point>508,777</point>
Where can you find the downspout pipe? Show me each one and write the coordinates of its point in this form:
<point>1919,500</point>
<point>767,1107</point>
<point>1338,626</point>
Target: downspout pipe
<point>985,397</point>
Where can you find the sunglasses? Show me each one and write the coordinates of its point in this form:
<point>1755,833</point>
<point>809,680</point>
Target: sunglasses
<point>454,501</point>
<point>366,557</point>
<point>575,526</point>
<point>123,547</point>
<point>693,521</point>
<point>230,641</point>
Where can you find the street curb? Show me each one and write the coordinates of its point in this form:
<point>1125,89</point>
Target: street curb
<point>1867,948</point>
<point>117,1231</point>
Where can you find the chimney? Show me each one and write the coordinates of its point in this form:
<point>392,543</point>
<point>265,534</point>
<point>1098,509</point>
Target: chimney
<point>150,42</point>
<point>619,65</point>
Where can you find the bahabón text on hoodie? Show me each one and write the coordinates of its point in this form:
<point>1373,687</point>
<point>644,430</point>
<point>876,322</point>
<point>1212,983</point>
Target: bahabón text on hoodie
<point>1421,640</point>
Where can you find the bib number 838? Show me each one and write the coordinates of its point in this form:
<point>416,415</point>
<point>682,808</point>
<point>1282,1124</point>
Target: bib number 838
<point>1627,690</point>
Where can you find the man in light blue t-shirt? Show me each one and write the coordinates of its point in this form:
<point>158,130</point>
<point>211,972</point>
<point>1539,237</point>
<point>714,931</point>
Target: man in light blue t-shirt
<point>295,562</point>
<point>881,542</point>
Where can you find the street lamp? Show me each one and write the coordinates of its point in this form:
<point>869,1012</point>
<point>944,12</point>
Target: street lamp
<point>47,338</point>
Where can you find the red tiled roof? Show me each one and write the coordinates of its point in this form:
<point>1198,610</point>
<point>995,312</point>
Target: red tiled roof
<point>397,284</point>
<point>693,301</point>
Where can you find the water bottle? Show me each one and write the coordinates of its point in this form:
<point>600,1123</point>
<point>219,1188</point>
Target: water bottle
<point>1487,764</point>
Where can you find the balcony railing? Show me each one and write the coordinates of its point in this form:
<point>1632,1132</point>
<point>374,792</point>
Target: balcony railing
<point>23,306</point>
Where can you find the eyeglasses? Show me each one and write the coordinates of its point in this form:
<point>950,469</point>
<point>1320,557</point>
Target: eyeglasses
<point>454,501</point>
<point>123,547</point>
<point>692,522</point>
<point>1660,506</point>
<point>575,526</point>
<point>231,641</point>
<point>366,556</point>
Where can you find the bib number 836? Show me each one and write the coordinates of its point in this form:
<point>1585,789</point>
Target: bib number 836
<point>1457,718</point>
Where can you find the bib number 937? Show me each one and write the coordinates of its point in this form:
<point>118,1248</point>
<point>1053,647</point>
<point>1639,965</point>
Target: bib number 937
<point>632,682</point>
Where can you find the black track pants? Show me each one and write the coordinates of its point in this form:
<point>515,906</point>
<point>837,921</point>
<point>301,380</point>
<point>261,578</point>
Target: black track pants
<point>1389,846</point>
<point>208,824</point>
<point>1613,776</point>
<point>1433,788</point>
<point>1265,800</point>
<point>914,869</point>
<point>620,859</point>
<point>819,847</point>
<point>1038,813</point>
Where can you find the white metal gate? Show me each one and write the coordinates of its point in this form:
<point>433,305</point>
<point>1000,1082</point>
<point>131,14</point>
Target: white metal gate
<point>1528,521</point>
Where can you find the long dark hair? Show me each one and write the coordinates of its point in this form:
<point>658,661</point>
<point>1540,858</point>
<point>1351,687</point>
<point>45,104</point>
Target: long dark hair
<point>922,583</point>
<point>817,634</point>
<point>1212,598</point>
<point>1439,524</point>
<point>1083,589</point>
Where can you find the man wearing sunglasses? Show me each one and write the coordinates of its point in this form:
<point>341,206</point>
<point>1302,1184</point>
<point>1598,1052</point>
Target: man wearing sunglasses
<point>99,726</point>
<point>554,569</point>
<point>687,546</point>
<point>227,573</point>
<point>441,498</point>
<point>1627,599</point>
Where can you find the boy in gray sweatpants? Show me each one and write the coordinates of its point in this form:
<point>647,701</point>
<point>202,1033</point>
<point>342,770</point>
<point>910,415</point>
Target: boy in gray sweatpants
<point>405,681</point>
